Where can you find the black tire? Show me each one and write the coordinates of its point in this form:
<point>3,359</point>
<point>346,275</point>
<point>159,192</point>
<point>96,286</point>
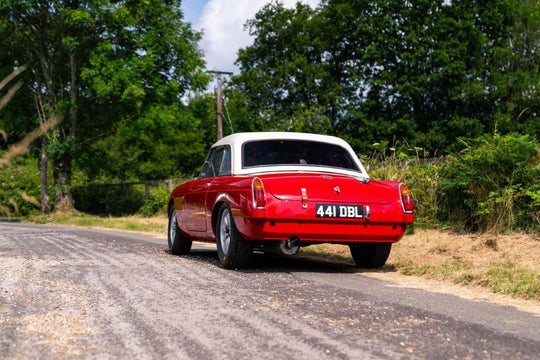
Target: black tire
<point>370,255</point>
<point>178,244</point>
<point>233,251</point>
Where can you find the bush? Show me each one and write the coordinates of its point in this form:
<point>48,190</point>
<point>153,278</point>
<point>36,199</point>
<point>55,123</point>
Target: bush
<point>19,188</point>
<point>493,185</point>
<point>108,199</point>
<point>156,203</point>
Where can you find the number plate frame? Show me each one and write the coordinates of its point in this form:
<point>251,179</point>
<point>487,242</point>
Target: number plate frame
<point>339,211</point>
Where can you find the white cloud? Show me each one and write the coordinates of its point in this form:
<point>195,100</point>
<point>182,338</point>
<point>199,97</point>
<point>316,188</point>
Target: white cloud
<point>223,24</point>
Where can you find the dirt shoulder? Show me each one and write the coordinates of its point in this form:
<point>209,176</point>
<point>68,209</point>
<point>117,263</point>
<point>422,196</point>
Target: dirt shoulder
<point>475,293</point>
<point>504,269</point>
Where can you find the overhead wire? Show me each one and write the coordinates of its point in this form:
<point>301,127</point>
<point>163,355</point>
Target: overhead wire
<point>228,115</point>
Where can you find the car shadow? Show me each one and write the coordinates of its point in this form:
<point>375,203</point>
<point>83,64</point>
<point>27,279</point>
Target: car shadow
<point>271,263</point>
<point>274,263</point>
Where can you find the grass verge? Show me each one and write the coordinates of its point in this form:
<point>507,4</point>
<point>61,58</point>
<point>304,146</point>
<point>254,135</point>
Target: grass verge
<point>507,264</point>
<point>157,224</point>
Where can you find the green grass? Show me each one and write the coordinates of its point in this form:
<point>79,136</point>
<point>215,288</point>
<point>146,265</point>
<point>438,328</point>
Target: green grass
<point>508,278</point>
<point>409,267</point>
<point>132,223</point>
<point>504,278</point>
<point>445,271</point>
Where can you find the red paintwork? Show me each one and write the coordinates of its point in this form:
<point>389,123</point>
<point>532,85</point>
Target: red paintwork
<point>284,215</point>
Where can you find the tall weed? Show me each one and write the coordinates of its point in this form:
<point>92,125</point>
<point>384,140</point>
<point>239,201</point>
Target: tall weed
<point>408,165</point>
<point>492,185</point>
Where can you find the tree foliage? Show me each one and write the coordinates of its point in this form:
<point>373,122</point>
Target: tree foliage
<point>376,71</point>
<point>283,74</point>
<point>163,143</point>
<point>97,63</point>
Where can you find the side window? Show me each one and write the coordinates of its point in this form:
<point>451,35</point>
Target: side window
<point>207,169</point>
<point>216,160</point>
<point>218,163</point>
<point>225,168</point>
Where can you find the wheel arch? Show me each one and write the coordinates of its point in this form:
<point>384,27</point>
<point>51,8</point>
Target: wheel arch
<point>230,201</point>
<point>215,212</point>
<point>170,206</point>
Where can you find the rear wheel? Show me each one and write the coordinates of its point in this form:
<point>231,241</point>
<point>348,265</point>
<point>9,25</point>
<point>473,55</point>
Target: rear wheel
<point>370,255</point>
<point>233,251</point>
<point>178,244</point>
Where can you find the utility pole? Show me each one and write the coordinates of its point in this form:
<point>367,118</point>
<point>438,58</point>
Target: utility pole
<point>219,100</point>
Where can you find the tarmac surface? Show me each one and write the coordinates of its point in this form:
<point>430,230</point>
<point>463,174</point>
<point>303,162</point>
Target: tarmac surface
<point>74,293</point>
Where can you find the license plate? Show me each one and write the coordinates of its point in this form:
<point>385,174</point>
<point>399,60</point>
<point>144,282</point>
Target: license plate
<point>339,211</point>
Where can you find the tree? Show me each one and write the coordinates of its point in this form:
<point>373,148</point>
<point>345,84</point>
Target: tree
<point>164,142</point>
<point>96,62</point>
<point>423,72</point>
<point>19,147</point>
<point>514,71</point>
<point>283,74</point>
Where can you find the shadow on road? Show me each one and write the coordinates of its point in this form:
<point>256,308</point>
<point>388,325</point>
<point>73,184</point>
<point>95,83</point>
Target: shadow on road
<point>272,263</point>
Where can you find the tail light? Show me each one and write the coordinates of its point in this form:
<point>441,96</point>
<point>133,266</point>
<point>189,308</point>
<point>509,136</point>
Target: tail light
<point>406,199</point>
<point>259,195</point>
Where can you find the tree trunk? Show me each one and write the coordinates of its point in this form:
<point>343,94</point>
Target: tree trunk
<point>45,201</point>
<point>64,200</point>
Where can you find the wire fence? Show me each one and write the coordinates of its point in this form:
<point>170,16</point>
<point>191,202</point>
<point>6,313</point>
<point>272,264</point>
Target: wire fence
<point>427,161</point>
<point>121,198</point>
<point>129,197</point>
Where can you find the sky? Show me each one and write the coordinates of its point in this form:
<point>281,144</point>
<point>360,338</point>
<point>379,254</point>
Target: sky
<point>222,23</point>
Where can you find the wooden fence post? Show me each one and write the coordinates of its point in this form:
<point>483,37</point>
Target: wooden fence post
<point>126,199</point>
<point>107,199</point>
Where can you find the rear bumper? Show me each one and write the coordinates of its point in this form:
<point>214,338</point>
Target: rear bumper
<point>316,231</point>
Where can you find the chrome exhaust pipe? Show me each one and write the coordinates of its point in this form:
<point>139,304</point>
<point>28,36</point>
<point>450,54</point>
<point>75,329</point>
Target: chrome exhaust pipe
<point>290,246</point>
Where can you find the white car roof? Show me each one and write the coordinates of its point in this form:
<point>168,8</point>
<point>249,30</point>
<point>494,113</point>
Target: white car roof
<point>236,141</point>
<point>250,136</point>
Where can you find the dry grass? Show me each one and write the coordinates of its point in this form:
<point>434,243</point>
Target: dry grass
<point>508,264</point>
<point>432,247</point>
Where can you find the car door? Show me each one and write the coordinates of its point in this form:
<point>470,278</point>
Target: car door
<point>196,198</point>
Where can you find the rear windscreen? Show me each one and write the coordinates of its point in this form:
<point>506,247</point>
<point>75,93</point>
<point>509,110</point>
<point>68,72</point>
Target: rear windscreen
<point>296,152</point>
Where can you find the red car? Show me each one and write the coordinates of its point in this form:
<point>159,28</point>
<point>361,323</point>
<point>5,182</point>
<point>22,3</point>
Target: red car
<point>280,191</point>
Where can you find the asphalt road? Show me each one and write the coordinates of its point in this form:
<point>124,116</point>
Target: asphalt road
<point>95,294</point>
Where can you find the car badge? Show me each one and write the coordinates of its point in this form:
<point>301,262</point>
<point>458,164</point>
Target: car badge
<point>337,189</point>
<point>304,198</point>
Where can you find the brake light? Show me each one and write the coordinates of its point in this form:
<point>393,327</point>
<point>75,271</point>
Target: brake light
<point>406,199</point>
<point>259,195</point>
